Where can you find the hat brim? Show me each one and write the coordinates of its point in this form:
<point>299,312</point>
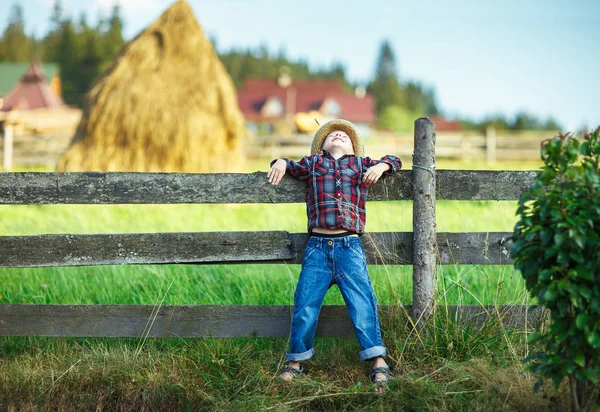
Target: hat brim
<point>344,126</point>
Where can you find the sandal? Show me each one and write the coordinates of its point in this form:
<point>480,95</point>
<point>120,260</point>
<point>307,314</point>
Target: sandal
<point>380,376</point>
<point>290,373</point>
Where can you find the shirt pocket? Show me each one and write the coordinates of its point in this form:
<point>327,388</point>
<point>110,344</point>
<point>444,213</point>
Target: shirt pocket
<point>351,172</point>
<point>319,170</point>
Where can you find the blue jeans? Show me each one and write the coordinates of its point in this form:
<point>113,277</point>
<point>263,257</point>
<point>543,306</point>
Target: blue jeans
<point>339,261</point>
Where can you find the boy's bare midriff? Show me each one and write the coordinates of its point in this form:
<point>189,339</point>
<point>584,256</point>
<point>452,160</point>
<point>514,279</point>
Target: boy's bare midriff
<point>328,231</point>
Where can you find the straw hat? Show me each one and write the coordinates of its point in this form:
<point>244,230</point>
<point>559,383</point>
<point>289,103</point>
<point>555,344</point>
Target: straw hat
<point>344,126</point>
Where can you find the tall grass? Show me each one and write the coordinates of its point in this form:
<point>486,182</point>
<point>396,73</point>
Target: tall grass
<point>446,367</point>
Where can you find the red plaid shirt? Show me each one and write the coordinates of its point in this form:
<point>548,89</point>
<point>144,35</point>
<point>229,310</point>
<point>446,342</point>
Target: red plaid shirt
<point>336,196</point>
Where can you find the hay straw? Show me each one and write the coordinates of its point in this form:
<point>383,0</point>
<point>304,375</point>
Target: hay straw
<point>166,104</point>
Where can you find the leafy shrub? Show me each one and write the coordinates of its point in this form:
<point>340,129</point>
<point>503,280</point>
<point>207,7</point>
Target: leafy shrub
<point>397,118</point>
<point>557,249</point>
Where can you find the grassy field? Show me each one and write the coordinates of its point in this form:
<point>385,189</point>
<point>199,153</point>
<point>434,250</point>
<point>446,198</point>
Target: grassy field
<point>446,367</point>
<point>237,284</point>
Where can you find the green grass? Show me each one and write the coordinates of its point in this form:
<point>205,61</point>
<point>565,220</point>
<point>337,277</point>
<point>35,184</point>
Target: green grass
<point>396,216</point>
<point>243,284</point>
<point>238,284</point>
<point>446,368</point>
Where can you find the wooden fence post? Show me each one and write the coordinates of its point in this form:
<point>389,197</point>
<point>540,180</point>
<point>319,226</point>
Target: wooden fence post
<point>8,147</point>
<point>465,149</point>
<point>424,226</point>
<point>490,144</point>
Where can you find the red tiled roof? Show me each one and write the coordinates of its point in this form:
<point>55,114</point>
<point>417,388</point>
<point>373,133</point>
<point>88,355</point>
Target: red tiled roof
<point>32,92</point>
<point>304,96</point>
<point>358,110</point>
<point>445,125</point>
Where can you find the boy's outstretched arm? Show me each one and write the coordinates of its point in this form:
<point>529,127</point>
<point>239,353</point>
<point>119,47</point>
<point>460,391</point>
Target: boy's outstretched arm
<point>277,171</point>
<point>374,173</point>
<point>280,167</point>
<point>377,168</point>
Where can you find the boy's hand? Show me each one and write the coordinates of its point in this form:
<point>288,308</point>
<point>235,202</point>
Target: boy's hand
<point>374,173</point>
<point>277,171</point>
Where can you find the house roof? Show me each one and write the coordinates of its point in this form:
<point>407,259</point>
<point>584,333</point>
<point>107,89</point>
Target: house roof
<point>445,125</point>
<point>31,92</point>
<point>304,96</point>
<point>10,74</point>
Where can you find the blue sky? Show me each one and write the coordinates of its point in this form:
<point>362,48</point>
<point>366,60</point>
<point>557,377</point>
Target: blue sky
<point>482,57</point>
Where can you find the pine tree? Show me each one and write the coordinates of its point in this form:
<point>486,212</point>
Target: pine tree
<point>113,38</point>
<point>90,61</point>
<point>15,45</point>
<point>52,39</point>
<point>415,99</point>
<point>385,87</point>
<point>431,107</point>
<point>67,54</point>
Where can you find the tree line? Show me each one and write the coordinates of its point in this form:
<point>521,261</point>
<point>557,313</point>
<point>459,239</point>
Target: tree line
<point>84,52</point>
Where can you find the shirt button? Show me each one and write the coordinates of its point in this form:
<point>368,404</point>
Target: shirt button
<point>338,195</point>
<point>330,243</point>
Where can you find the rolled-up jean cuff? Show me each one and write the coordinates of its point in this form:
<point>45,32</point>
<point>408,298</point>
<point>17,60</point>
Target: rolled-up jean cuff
<point>373,352</point>
<point>297,357</point>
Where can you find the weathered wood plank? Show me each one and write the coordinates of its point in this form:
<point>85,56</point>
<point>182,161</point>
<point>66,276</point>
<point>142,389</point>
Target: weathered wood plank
<point>144,248</point>
<point>475,248</point>
<point>219,321</point>
<point>389,248</point>
<point>522,317</point>
<point>483,184</point>
<point>164,188</point>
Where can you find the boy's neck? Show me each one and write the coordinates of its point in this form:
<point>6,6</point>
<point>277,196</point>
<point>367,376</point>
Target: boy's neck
<point>336,154</point>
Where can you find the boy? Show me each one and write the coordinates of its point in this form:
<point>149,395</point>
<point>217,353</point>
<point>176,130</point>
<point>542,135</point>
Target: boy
<point>338,177</point>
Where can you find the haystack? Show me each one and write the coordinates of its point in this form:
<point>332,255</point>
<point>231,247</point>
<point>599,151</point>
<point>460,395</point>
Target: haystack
<point>166,104</point>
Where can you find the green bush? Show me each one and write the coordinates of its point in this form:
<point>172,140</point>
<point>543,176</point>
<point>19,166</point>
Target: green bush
<point>398,119</point>
<point>557,250</point>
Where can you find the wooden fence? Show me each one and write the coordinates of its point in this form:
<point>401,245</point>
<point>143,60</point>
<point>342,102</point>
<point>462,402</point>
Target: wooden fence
<point>45,150</point>
<point>389,248</point>
<point>32,150</point>
<point>36,137</point>
<point>490,147</point>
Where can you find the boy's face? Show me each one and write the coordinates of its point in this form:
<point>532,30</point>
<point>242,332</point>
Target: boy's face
<point>338,140</point>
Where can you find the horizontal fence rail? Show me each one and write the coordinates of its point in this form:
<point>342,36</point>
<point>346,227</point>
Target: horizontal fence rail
<point>165,188</point>
<point>218,321</point>
<point>387,248</point>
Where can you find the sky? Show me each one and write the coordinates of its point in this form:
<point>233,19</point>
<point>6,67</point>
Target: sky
<point>482,57</point>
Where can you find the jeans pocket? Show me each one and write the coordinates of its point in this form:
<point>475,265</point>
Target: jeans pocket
<point>310,249</point>
<point>358,253</point>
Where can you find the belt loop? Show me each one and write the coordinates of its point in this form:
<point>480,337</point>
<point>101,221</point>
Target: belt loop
<point>346,241</point>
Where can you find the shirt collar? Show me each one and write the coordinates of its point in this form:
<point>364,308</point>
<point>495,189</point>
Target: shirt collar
<point>326,153</point>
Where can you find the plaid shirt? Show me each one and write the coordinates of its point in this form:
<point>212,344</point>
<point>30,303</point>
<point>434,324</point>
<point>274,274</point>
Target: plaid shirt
<point>336,196</point>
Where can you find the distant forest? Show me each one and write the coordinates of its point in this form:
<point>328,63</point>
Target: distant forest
<point>84,52</point>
